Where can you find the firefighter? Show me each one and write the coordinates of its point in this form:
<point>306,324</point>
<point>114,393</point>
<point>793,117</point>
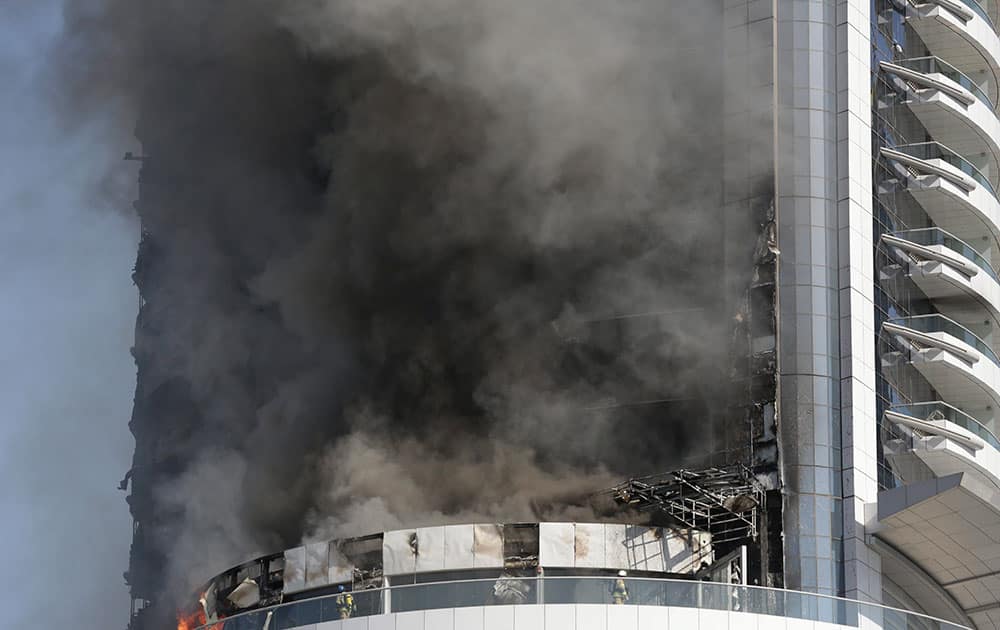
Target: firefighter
<point>345,603</point>
<point>619,592</point>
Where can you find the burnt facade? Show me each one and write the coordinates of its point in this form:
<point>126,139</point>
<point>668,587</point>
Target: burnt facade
<point>329,252</point>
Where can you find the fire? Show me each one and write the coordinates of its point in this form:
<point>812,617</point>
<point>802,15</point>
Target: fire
<point>195,620</point>
<point>192,621</point>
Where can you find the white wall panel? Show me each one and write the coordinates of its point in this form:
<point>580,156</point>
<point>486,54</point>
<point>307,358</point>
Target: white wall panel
<point>430,549</point>
<point>295,569</point>
<point>397,555</point>
<point>529,617</point>
<point>589,545</point>
<point>410,621</point>
<point>317,564</point>
<point>560,616</point>
<point>498,618</point>
<point>683,618</point>
<point>459,541</point>
<point>615,551</point>
<point>556,544</point>
<point>767,622</point>
<point>592,617</point>
<point>382,622</point>
<point>488,545</point>
<point>715,619</point>
<point>651,617</point>
<point>799,624</point>
<point>352,624</point>
<point>676,549</point>
<point>440,619</point>
<point>469,618</point>
<point>645,550</point>
<point>623,618</point>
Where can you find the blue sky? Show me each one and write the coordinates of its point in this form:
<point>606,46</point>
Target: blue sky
<point>67,311</point>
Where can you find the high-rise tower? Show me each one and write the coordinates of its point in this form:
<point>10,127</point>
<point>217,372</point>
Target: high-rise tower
<point>780,393</point>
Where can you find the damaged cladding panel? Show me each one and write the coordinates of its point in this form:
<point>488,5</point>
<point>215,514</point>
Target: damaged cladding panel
<point>487,546</point>
<point>632,547</point>
<point>589,545</point>
<point>459,546</point>
<point>317,564</point>
<point>442,548</point>
<point>471,547</point>
<point>295,570</point>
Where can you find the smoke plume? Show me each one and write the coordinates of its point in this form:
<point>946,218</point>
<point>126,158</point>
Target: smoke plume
<point>410,261</point>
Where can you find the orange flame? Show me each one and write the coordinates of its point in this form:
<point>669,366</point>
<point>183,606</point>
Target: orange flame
<point>196,620</point>
<point>192,621</point>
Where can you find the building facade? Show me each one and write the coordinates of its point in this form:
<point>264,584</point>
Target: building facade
<point>863,138</point>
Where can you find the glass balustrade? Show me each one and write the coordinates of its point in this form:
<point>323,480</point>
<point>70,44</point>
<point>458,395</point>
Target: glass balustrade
<point>582,590</point>
<point>935,65</point>
<point>935,323</point>
<point>937,236</point>
<point>937,151</point>
<point>938,410</point>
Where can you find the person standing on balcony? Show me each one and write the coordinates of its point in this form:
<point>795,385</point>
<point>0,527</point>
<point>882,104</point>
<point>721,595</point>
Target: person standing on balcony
<point>619,591</point>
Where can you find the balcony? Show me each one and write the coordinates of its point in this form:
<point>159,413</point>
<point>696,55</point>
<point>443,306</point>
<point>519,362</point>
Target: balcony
<point>964,33</point>
<point>953,192</point>
<point>573,602</point>
<point>943,439</point>
<point>958,365</point>
<point>953,109</point>
<point>962,283</point>
<point>943,531</point>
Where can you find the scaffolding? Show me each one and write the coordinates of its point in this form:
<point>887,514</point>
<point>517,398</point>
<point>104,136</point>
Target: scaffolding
<point>723,501</point>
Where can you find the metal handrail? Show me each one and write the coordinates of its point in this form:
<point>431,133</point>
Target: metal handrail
<point>935,322</point>
<point>940,410</point>
<point>937,236</point>
<point>936,151</point>
<point>585,590</point>
<point>935,65</point>
<point>975,6</point>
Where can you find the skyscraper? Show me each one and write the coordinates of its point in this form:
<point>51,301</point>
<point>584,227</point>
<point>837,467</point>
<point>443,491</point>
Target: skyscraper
<point>744,371</point>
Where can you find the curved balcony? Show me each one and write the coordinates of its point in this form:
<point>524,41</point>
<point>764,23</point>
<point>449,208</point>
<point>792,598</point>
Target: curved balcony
<point>960,366</point>
<point>959,279</point>
<point>932,69</point>
<point>952,108</point>
<point>964,33</point>
<point>945,440</point>
<point>576,602</point>
<point>953,192</point>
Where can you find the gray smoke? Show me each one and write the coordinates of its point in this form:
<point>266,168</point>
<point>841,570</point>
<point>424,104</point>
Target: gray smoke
<point>406,260</point>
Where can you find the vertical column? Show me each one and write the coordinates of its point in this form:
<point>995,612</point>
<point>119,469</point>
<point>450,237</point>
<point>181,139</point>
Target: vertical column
<point>808,293</point>
<point>749,265</point>
<point>862,565</point>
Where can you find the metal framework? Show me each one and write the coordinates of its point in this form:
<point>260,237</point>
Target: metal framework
<point>723,501</point>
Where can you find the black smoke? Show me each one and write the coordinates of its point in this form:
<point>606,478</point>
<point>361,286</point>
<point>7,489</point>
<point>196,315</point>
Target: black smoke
<point>409,260</point>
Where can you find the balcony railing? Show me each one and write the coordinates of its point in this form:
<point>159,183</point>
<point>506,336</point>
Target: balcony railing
<point>937,151</point>
<point>929,65</point>
<point>981,11</point>
<point>937,236</point>
<point>582,590</point>
<point>938,410</point>
<point>935,323</point>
